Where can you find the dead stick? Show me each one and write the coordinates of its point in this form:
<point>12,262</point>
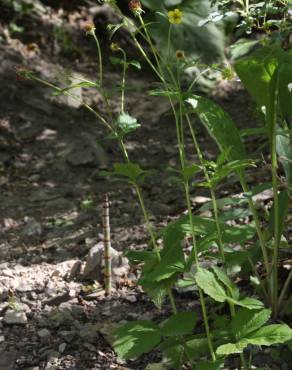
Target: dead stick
<point>107,246</point>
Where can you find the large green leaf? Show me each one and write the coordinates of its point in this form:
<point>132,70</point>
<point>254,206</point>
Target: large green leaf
<point>256,72</point>
<point>135,338</point>
<point>271,334</point>
<point>266,74</point>
<point>126,171</point>
<point>207,282</point>
<point>224,278</point>
<point>220,126</point>
<point>246,321</point>
<point>265,336</point>
<point>181,323</point>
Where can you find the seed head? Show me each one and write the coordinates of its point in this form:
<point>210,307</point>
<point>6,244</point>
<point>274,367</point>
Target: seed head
<point>114,47</point>
<point>89,29</point>
<point>175,16</point>
<point>135,7</point>
<point>180,55</point>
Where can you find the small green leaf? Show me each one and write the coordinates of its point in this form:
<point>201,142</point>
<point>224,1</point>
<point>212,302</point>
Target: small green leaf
<point>135,64</point>
<point>230,348</point>
<point>135,338</point>
<point>130,171</point>
<point>250,303</point>
<point>181,323</point>
<point>207,282</point>
<point>126,123</point>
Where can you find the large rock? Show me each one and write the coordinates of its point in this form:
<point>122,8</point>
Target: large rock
<point>86,151</point>
<point>94,267</point>
<point>14,317</point>
<point>7,360</point>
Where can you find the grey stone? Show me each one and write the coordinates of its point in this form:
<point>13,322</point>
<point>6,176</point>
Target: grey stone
<point>86,151</point>
<point>44,335</point>
<point>95,262</point>
<point>32,230</point>
<point>75,270</point>
<point>62,347</point>
<point>7,360</point>
<point>67,335</point>
<point>15,317</point>
<point>57,300</point>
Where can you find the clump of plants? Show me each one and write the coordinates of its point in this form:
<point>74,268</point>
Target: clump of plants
<point>233,321</point>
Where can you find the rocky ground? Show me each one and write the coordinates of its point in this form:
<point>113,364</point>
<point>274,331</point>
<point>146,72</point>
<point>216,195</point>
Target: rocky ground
<point>52,315</point>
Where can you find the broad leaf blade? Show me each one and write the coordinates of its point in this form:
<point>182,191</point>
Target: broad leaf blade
<point>135,338</point>
<point>220,126</point>
<point>207,282</point>
<point>181,323</point>
<point>246,321</point>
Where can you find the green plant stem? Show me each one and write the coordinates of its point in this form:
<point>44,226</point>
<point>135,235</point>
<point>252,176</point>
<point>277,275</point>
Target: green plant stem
<point>66,93</point>
<point>284,289</point>
<point>276,228</point>
<point>213,196</point>
<point>182,159</point>
<point>257,224</point>
<point>99,59</point>
<point>172,301</point>
<point>232,313</point>
<point>148,224</point>
<point>123,79</point>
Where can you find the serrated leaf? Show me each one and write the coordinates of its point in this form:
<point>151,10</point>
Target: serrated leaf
<point>220,126</point>
<point>181,323</point>
<point>265,336</point>
<point>271,334</point>
<point>246,321</point>
<point>127,123</point>
<point>130,171</point>
<point>230,348</point>
<point>207,282</point>
<point>249,303</point>
<point>135,338</point>
<point>224,278</point>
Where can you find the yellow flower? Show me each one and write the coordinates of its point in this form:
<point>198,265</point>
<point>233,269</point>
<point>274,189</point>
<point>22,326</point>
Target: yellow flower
<point>179,54</point>
<point>175,16</point>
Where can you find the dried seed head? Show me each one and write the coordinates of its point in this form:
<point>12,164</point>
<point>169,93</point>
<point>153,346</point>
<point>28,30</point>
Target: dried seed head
<point>180,54</point>
<point>89,29</point>
<point>135,7</point>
